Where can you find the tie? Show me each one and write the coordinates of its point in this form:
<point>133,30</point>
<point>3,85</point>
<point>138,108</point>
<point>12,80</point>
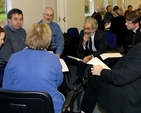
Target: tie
<point>134,38</point>
<point>90,43</point>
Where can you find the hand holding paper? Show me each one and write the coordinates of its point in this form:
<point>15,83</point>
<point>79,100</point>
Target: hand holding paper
<point>96,70</point>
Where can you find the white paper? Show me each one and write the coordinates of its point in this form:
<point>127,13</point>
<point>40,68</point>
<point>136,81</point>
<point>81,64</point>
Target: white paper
<point>75,58</point>
<point>64,66</point>
<point>97,61</point>
<point>108,26</point>
<point>110,55</point>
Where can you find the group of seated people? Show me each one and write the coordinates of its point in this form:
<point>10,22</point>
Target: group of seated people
<point>27,65</point>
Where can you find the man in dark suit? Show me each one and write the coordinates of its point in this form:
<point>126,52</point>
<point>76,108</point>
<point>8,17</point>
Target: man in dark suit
<point>119,28</point>
<point>98,16</point>
<point>133,20</point>
<point>92,43</point>
<point>108,15</point>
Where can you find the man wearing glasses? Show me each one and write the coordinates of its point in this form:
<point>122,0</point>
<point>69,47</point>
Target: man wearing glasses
<point>57,42</point>
<point>92,43</point>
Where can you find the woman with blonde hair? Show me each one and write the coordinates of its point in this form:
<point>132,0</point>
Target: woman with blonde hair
<point>34,68</point>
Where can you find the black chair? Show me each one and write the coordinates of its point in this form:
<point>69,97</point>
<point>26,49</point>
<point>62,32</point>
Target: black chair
<point>29,102</point>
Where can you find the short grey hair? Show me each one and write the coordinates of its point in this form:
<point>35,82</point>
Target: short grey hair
<point>121,11</point>
<point>101,9</point>
<point>92,21</point>
<point>44,10</point>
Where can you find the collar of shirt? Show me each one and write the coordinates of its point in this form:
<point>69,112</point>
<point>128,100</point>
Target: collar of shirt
<point>135,30</point>
<point>92,37</point>
<point>11,28</point>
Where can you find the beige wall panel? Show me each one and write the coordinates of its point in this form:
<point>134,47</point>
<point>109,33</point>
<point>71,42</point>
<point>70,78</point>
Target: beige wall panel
<point>134,3</point>
<point>53,4</point>
<point>75,14</point>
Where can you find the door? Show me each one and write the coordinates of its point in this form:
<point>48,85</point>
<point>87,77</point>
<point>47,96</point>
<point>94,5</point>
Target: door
<point>70,13</point>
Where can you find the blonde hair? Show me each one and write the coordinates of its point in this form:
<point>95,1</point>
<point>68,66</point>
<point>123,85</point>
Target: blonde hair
<point>38,37</point>
<point>92,21</point>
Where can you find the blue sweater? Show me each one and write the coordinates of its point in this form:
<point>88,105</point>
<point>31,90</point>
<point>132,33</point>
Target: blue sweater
<point>35,70</point>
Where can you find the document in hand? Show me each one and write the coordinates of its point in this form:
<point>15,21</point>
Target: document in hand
<point>110,55</point>
<point>97,61</point>
<point>75,58</point>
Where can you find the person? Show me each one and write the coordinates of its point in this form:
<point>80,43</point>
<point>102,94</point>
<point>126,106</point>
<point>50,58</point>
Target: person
<point>133,20</point>
<point>35,65</point>
<point>57,42</point>
<point>116,90</point>
<point>129,9</point>
<point>15,36</point>
<point>119,28</point>
<point>99,17</point>
<point>108,15</point>
<point>92,43</point>
<point>2,36</point>
<point>139,8</point>
<point>115,11</point>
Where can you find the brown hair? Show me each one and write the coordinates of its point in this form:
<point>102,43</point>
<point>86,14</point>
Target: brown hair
<point>1,29</point>
<point>38,37</point>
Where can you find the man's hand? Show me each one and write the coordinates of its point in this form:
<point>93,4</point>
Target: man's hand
<point>96,70</point>
<point>58,55</point>
<point>85,39</point>
<point>86,59</point>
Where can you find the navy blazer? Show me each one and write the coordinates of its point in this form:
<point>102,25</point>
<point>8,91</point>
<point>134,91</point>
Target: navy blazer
<point>122,93</point>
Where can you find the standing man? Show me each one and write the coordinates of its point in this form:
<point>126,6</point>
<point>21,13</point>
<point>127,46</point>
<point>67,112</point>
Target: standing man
<point>57,42</point>
<point>133,20</point>
<point>92,43</point>
<point>15,36</point>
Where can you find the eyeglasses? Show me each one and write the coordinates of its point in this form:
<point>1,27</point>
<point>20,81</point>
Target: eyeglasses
<point>49,15</point>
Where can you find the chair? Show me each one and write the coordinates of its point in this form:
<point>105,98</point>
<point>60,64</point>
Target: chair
<point>73,32</point>
<point>111,39</point>
<point>28,102</point>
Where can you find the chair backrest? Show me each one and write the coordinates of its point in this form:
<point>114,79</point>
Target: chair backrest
<point>111,39</point>
<point>73,32</point>
<point>25,102</point>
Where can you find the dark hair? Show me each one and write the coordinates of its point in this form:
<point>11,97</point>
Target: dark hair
<point>129,6</point>
<point>115,8</point>
<point>134,16</point>
<point>1,29</point>
<point>108,7</point>
<point>14,11</point>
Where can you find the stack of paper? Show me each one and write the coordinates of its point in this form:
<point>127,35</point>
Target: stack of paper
<point>110,55</point>
<point>97,61</point>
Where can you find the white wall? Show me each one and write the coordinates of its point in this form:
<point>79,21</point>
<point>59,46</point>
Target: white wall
<point>32,10</point>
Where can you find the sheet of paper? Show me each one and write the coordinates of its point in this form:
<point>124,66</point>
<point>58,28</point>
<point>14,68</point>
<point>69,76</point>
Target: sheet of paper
<point>110,55</point>
<point>64,66</point>
<point>97,61</point>
<point>75,58</point>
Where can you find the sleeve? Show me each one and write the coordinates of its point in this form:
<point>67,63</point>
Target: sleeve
<point>128,71</point>
<point>7,80</point>
<point>60,76</point>
<point>59,41</point>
